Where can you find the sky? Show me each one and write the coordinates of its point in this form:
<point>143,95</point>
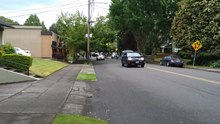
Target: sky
<point>49,10</point>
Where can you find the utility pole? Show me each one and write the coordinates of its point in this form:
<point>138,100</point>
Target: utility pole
<point>88,33</point>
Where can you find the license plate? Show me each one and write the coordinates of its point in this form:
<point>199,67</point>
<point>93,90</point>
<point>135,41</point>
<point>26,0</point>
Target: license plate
<point>137,61</point>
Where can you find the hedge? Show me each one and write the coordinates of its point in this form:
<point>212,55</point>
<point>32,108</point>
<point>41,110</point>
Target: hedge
<point>1,53</point>
<point>19,62</point>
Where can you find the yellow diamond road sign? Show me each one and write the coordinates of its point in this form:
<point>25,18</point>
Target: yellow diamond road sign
<point>197,45</point>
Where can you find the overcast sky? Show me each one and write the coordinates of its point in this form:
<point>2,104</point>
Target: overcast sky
<point>48,10</point>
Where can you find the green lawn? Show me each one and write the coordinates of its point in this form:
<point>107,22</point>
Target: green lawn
<point>76,119</point>
<point>45,67</point>
<point>86,77</point>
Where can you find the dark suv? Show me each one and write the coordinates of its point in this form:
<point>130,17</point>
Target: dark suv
<point>132,59</point>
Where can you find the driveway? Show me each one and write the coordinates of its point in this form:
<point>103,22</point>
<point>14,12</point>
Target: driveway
<point>7,76</point>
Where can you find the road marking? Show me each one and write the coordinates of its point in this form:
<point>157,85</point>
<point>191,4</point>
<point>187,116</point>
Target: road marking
<point>188,76</point>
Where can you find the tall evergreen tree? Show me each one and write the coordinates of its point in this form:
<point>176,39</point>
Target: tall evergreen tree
<point>44,28</point>
<point>198,20</point>
<point>33,20</point>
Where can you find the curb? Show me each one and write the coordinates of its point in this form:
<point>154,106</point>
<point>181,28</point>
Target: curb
<point>202,69</point>
<point>76,102</point>
<point>208,70</point>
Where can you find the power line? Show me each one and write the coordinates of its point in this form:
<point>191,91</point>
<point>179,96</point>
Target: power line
<point>45,11</point>
<point>101,7</point>
<point>39,8</point>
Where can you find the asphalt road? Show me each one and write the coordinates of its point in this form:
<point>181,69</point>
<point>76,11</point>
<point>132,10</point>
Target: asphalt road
<point>155,95</point>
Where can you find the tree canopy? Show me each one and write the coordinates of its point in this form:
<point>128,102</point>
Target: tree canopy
<point>198,20</point>
<point>103,36</point>
<point>9,21</point>
<point>149,21</point>
<point>33,20</point>
<point>72,29</point>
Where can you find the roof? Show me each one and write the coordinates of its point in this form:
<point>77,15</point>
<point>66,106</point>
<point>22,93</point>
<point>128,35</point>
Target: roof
<point>2,23</point>
<point>46,33</point>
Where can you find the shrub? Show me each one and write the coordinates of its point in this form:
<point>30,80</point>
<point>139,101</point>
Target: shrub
<point>19,62</point>
<point>7,48</point>
<point>206,58</point>
<point>1,53</point>
<point>215,64</point>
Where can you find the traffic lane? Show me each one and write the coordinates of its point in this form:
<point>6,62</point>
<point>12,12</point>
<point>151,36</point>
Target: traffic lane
<point>204,81</point>
<point>142,95</point>
<point>192,72</point>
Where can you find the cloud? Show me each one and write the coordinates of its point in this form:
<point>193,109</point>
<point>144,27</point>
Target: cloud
<point>52,9</point>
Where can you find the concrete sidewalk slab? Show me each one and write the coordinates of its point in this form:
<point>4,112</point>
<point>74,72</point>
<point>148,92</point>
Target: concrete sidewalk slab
<point>7,76</point>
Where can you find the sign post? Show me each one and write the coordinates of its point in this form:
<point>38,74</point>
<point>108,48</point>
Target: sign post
<point>196,46</point>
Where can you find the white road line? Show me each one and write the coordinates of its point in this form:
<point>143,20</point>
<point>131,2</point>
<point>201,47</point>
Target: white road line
<point>188,76</point>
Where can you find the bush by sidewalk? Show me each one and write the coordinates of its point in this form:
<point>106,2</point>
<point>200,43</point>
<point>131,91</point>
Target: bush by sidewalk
<point>18,62</point>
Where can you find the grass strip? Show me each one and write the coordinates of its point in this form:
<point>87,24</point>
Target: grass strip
<point>76,119</point>
<point>86,77</point>
<point>45,67</point>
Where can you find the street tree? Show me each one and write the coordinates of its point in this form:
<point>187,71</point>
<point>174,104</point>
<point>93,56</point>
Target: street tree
<point>148,21</point>
<point>103,36</point>
<point>72,29</point>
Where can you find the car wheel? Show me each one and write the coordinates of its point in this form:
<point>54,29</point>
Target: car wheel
<point>161,63</point>
<point>168,63</point>
<point>142,65</point>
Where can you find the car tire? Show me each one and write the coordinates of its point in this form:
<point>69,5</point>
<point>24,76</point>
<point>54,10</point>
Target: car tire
<point>161,63</point>
<point>168,63</point>
<point>142,65</point>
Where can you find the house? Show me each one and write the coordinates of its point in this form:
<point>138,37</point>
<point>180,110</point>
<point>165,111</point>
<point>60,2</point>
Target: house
<point>33,39</point>
<point>53,46</point>
<point>25,37</point>
<point>2,26</point>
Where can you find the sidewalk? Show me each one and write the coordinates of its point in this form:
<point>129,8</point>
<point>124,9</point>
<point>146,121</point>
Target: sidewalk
<point>38,102</point>
<point>79,95</point>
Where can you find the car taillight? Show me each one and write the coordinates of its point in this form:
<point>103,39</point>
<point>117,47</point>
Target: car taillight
<point>172,60</point>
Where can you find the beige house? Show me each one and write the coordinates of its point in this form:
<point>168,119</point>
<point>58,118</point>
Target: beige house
<point>25,37</point>
<point>33,39</point>
<point>2,26</point>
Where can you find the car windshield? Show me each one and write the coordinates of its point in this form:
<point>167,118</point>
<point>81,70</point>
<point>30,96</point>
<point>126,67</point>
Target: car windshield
<point>175,57</point>
<point>133,55</point>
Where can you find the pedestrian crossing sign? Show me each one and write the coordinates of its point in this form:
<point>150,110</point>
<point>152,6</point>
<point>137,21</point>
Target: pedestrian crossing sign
<point>197,45</point>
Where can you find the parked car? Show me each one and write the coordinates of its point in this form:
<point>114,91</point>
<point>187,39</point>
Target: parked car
<point>132,59</point>
<point>126,51</point>
<point>115,55</point>
<point>100,57</point>
<point>22,52</point>
<point>172,61</point>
